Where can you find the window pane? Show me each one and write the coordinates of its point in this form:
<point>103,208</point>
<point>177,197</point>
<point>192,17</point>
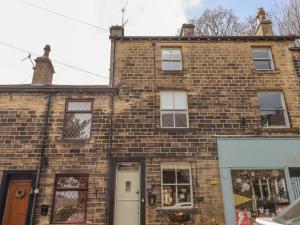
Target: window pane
<point>166,100</point>
<point>171,54</point>
<point>180,100</point>
<point>261,53</point>
<point>79,106</point>
<point>180,119</point>
<point>269,100</point>
<point>262,64</point>
<point>184,194</point>
<point>69,206</point>
<point>183,176</point>
<point>272,118</point>
<point>71,182</point>
<point>169,195</point>
<point>169,176</point>
<point>77,125</point>
<point>167,119</point>
<point>171,65</point>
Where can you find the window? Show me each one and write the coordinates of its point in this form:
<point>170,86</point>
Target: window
<point>70,196</point>
<point>78,117</point>
<point>173,109</point>
<point>262,59</point>
<point>176,187</point>
<point>272,109</point>
<point>171,59</point>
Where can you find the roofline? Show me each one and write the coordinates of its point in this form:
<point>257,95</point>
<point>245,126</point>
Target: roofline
<point>205,38</point>
<point>57,88</point>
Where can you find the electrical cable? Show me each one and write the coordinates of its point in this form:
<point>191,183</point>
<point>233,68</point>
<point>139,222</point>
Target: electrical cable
<point>56,61</point>
<point>62,15</point>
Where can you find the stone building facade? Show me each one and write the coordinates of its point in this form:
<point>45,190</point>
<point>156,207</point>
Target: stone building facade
<point>160,133</point>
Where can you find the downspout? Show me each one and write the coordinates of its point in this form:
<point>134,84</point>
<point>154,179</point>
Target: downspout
<point>45,137</point>
<point>110,131</point>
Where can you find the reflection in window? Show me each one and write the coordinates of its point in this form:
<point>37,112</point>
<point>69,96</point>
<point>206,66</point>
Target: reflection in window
<point>258,193</point>
<point>70,198</point>
<point>262,59</point>
<point>176,185</point>
<point>171,59</point>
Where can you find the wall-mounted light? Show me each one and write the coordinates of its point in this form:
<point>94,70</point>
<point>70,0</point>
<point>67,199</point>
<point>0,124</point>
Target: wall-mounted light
<point>151,198</point>
<point>243,122</point>
<point>44,209</point>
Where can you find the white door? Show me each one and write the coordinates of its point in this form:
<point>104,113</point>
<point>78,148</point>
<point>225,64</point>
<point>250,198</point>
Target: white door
<point>127,204</point>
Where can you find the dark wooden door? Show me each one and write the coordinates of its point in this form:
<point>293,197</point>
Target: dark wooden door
<point>17,202</point>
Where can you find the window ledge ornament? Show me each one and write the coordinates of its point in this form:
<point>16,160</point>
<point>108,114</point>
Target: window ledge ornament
<point>177,215</point>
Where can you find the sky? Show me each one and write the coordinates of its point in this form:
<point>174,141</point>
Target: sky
<point>77,32</point>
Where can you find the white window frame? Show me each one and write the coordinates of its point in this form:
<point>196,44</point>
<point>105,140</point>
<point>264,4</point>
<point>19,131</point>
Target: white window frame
<point>270,58</point>
<point>285,114</point>
<point>174,165</point>
<point>174,110</point>
<point>171,60</point>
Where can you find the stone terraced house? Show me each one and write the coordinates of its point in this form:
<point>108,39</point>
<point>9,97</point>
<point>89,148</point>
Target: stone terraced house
<point>190,130</point>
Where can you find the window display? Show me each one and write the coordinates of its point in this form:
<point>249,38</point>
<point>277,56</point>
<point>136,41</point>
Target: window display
<point>258,193</point>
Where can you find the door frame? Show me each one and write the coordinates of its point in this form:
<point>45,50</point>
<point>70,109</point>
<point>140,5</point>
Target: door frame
<point>112,184</point>
<point>9,175</point>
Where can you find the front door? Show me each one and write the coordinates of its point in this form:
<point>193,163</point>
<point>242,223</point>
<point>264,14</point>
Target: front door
<point>17,202</point>
<point>127,195</point>
<point>295,177</point>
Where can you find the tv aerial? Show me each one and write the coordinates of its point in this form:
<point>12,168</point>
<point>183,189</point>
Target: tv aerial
<point>28,57</point>
<point>123,10</point>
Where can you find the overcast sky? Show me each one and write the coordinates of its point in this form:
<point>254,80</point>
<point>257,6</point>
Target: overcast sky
<point>83,46</point>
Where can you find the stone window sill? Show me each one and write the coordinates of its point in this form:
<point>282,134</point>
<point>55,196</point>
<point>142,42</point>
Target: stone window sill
<point>177,130</point>
<point>276,71</point>
<point>172,72</point>
<point>75,141</point>
<point>278,130</point>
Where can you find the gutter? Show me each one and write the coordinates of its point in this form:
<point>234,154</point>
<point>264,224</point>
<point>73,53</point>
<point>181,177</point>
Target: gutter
<point>44,140</point>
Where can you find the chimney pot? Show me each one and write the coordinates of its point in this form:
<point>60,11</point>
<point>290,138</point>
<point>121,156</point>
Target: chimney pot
<point>187,30</point>
<point>116,30</point>
<point>47,50</point>
<point>264,26</point>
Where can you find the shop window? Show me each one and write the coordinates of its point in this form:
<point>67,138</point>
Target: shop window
<point>70,197</point>
<point>78,117</point>
<point>262,59</point>
<point>272,109</point>
<point>258,193</point>
<point>176,187</point>
<point>171,59</point>
<point>173,109</point>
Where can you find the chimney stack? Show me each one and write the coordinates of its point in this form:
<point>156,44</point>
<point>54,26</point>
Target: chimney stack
<point>43,70</point>
<point>116,30</point>
<point>187,30</point>
<point>264,26</point>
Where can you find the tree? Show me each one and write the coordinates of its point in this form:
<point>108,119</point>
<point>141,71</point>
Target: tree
<point>219,22</point>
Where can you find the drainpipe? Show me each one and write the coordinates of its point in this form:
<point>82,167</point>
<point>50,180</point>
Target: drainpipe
<point>45,137</point>
<point>110,131</point>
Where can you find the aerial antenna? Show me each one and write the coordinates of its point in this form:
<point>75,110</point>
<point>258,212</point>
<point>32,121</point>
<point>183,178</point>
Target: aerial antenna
<point>28,57</point>
<point>123,10</point>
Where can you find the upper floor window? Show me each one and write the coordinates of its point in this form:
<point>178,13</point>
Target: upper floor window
<point>262,59</point>
<point>171,59</point>
<point>176,187</point>
<point>272,109</point>
<point>78,116</point>
<point>70,197</point>
<point>173,109</point>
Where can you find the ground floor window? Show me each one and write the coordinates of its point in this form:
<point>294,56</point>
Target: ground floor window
<point>70,196</point>
<point>258,193</point>
<point>176,185</point>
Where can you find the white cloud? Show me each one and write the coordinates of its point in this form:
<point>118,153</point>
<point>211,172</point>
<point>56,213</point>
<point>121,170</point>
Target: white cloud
<point>74,43</point>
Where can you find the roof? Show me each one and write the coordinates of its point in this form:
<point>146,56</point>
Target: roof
<point>57,88</point>
<point>205,38</point>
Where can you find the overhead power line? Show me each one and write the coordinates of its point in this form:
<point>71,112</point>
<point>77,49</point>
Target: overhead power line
<point>63,15</point>
<point>56,61</point>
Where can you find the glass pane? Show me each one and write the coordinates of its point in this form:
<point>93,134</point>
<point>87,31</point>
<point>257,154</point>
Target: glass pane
<point>180,119</point>
<point>258,193</point>
<point>69,206</point>
<point>77,125</point>
<point>171,65</point>
<point>260,53</point>
<point>168,176</point>
<point>180,100</point>
<point>269,100</point>
<point>167,119</point>
<point>262,64</point>
<point>166,100</point>
<point>169,195</point>
<point>184,194</point>
<point>71,182</point>
<point>79,106</point>
<point>166,54</point>
<point>171,54</point>
<point>272,118</point>
<point>183,176</point>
